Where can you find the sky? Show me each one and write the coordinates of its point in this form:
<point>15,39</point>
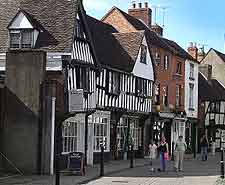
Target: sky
<point>198,21</point>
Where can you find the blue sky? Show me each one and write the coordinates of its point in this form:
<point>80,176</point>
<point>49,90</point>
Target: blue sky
<point>200,21</point>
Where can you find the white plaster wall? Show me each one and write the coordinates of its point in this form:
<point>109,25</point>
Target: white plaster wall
<point>190,113</point>
<point>144,70</point>
<point>20,22</point>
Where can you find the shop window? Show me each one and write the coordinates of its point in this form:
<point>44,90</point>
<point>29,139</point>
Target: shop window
<point>101,133</point>
<point>70,136</point>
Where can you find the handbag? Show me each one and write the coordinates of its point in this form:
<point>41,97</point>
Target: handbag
<point>166,156</point>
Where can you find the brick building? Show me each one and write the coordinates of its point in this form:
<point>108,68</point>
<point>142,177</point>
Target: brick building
<point>170,117</point>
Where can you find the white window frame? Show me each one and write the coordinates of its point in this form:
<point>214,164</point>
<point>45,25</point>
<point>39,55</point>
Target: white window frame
<point>70,138</point>
<point>21,32</point>
<point>101,137</point>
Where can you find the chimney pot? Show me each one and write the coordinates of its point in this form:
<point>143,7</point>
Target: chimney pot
<point>140,5</point>
<point>146,4</point>
<point>134,5</point>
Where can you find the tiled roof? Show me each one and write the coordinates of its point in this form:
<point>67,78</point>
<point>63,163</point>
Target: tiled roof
<point>179,50</point>
<point>154,39</point>
<point>57,19</point>
<point>210,90</point>
<point>116,50</point>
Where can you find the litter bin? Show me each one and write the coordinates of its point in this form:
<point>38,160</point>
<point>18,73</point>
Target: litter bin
<point>213,148</point>
<point>76,163</point>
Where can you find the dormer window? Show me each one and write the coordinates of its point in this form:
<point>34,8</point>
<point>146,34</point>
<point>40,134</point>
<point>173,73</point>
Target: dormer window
<point>23,31</point>
<point>21,38</point>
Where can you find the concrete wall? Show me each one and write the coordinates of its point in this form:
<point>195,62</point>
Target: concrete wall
<point>25,72</point>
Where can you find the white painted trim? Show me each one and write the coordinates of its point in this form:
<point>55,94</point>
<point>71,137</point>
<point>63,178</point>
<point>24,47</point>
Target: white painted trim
<point>52,137</point>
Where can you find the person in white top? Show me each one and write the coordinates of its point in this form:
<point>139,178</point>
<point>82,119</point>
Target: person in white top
<point>152,152</point>
<point>180,148</point>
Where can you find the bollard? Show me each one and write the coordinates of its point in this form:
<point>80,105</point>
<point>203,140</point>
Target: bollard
<point>102,162</point>
<point>172,157</point>
<point>57,172</point>
<point>131,156</point>
<point>222,164</point>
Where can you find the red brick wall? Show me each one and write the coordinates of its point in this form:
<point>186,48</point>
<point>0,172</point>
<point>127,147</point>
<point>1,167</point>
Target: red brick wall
<point>164,77</point>
<point>116,19</point>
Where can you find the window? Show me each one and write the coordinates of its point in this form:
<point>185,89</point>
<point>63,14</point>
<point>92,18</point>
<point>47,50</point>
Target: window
<point>192,71</point>
<point>70,136</point>
<point>101,133</point>
<point>178,70</point>
<point>82,78</point>
<point>141,87</point>
<point>165,96</point>
<point>122,128</point>
<point>135,132</point>
<point>113,82</point>
<point>157,94</point>
<point>178,95</point>
<point>166,62</point>
<point>143,54</point>
<point>215,107</point>
<point>157,58</point>
<point>21,38</point>
<point>191,96</point>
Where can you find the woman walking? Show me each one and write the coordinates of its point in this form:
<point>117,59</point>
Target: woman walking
<point>152,153</point>
<point>163,153</point>
<point>180,148</point>
<point>204,143</point>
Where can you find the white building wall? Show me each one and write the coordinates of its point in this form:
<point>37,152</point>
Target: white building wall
<point>144,70</point>
<point>191,113</point>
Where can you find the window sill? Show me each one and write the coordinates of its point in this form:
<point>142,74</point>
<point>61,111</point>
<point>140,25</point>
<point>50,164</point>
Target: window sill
<point>177,74</point>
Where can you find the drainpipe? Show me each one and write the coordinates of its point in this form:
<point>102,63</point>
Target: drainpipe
<point>52,136</point>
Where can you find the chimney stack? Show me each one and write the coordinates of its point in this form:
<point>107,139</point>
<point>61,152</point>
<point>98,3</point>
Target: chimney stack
<point>142,13</point>
<point>193,50</point>
<point>146,4</point>
<point>140,5</point>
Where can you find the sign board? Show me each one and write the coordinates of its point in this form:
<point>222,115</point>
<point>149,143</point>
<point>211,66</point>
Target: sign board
<point>76,162</point>
<point>76,100</point>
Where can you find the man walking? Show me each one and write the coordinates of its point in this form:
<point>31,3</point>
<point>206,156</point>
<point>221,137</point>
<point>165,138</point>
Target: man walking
<point>180,148</point>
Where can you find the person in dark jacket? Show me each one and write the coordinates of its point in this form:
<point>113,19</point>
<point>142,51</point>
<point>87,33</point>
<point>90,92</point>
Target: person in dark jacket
<point>204,143</point>
<point>163,153</point>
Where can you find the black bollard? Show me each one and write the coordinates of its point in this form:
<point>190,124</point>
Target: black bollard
<point>131,156</point>
<point>57,172</point>
<point>222,164</point>
<point>102,162</point>
<point>172,157</point>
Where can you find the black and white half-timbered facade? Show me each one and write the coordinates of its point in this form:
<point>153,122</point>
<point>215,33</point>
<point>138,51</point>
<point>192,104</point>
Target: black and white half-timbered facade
<point>60,29</point>
<point>212,106</point>
<point>124,88</point>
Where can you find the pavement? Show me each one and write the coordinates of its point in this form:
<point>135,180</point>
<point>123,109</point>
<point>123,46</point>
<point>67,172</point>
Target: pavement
<point>195,172</point>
